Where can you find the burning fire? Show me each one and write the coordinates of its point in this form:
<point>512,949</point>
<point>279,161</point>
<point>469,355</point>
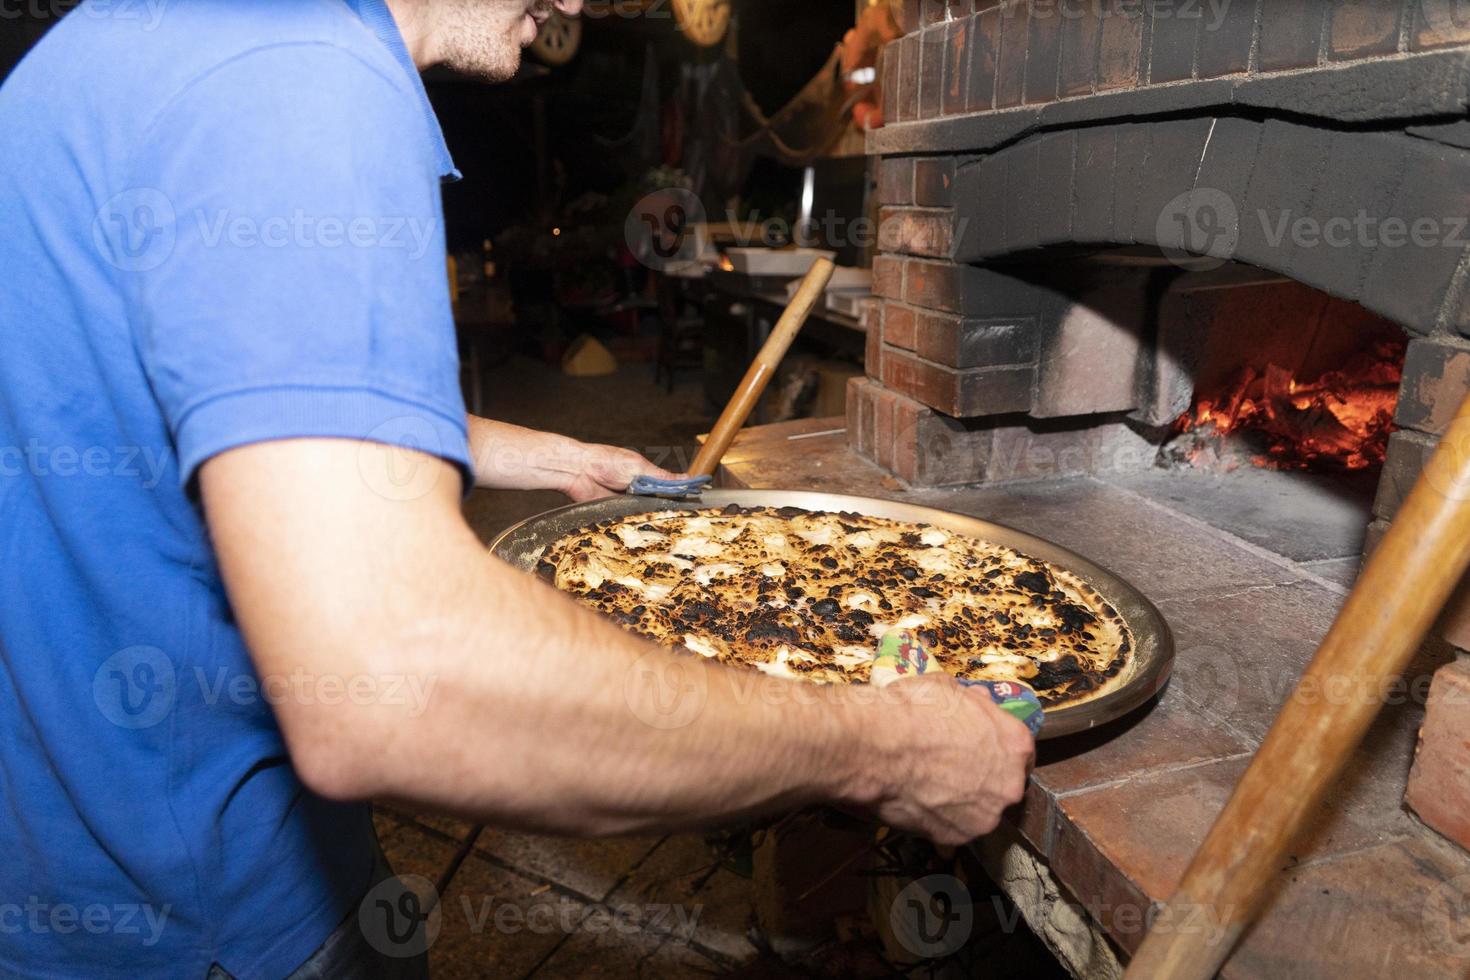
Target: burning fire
<point>1341,420</point>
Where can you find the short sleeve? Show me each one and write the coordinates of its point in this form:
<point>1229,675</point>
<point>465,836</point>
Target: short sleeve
<point>283,238</point>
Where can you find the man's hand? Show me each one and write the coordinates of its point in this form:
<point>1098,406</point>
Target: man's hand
<point>961,761</point>
<point>600,471</point>
<point>508,457</point>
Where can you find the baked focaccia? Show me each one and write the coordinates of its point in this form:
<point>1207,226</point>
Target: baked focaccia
<point>808,595</point>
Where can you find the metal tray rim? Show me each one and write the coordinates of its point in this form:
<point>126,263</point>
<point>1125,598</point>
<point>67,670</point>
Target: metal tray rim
<point>1153,641</point>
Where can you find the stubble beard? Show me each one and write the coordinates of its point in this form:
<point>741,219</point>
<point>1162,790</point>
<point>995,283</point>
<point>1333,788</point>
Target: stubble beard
<point>483,37</point>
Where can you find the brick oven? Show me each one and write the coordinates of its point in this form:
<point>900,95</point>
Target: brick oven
<point>1086,204</point>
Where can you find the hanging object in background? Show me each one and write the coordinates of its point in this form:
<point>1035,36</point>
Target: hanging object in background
<point>703,21</point>
<point>861,49</point>
<point>809,126</point>
<point>558,40</point>
<point>709,96</point>
<point>642,144</point>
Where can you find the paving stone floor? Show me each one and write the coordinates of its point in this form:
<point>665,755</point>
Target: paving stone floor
<point>521,905</point>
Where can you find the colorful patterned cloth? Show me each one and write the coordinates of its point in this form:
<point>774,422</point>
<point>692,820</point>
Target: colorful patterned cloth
<point>902,654</point>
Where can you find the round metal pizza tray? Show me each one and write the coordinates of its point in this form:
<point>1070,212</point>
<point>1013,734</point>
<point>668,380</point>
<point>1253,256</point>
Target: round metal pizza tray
<point>1144,677</point>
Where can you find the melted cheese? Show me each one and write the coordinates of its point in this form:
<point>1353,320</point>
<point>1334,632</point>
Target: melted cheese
<point>817,591</point>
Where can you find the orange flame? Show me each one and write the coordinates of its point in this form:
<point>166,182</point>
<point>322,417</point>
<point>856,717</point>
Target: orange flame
<point>1341,420</point>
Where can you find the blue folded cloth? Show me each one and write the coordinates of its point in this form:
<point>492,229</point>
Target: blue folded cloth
<point>647,486</point>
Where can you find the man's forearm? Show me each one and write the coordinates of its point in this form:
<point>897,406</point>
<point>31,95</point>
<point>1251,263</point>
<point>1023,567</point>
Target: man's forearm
<point>510,457</point>
<point>537,712</point>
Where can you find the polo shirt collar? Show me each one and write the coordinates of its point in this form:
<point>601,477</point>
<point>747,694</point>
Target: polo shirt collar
<point>379,19</point>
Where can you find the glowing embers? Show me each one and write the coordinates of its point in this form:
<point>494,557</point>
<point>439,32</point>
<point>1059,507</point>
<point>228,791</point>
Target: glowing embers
<point>1339,419</point>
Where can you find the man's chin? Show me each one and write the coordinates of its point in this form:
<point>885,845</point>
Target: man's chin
<point>484,43</point>
<point>500,70</point>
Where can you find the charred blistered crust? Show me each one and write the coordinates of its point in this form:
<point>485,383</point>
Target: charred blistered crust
<point>807,594</point>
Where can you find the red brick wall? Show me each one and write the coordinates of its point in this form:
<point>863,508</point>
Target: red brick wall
<point>1439,785</point>
<point>968,56</point>
<point>953,343</point>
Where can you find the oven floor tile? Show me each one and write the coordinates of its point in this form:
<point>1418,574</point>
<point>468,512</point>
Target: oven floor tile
<point>1302,516</point>
<point>1392,911</point>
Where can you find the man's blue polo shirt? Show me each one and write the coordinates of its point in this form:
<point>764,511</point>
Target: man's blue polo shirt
<point>220,224</point>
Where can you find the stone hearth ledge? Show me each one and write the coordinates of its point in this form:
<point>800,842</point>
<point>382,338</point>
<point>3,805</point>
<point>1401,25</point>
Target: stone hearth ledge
<point>1116,813</point>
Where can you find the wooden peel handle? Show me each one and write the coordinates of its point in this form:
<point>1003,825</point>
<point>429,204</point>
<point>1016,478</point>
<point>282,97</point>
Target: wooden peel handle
<point>1401,592</point>
<point>813,287</point>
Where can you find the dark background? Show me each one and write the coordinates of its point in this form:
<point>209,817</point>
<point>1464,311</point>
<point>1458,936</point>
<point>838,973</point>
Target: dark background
<point>491,128</point>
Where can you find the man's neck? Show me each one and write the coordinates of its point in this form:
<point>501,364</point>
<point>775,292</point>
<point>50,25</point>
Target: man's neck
<point>415,23</point>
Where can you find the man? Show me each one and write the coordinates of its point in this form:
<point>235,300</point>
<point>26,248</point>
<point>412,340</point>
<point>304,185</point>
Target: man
<point>239,595</point>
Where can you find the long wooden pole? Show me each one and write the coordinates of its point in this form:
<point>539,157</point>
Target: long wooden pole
<point>733,419</point>
<point>1400,594</point>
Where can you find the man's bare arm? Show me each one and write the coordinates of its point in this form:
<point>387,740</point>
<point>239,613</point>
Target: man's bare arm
<point>337,565</point>
<point>510,457</point>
